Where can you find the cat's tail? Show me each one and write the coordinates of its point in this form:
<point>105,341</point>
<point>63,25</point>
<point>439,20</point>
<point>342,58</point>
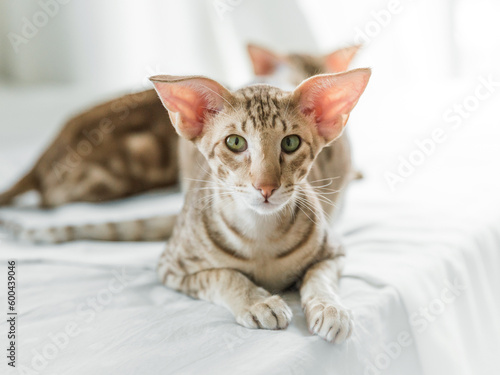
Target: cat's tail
<point>156,228</point>
<point>26,183</point>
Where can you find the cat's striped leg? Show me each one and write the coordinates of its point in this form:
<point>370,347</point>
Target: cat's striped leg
<point>253,306</point>
<point>326,316</point>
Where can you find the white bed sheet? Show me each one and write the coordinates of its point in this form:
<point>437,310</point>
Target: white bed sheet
<point>404,249</point>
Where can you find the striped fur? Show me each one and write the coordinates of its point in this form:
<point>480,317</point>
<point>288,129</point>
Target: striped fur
<point>156,228</point>
<point>227,247</point>
<point>129,160</point>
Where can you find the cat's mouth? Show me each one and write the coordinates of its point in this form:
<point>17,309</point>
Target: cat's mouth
<point>268,206</point>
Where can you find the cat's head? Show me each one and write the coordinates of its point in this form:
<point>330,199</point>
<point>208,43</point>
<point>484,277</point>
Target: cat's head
<point>260,141</point>
<point>298,66</point>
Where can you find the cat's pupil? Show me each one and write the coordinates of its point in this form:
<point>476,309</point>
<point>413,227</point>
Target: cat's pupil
<point>288,142</point>
<point>236,141</point>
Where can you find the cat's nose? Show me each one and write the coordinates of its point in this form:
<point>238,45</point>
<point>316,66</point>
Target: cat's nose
<point>266,189</point>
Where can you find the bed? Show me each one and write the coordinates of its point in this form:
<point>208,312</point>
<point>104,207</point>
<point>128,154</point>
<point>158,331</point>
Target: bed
<point>422,273</point>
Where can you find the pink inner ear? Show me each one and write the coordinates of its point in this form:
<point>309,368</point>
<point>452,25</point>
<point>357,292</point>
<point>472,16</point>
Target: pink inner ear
<point>339,61</point>
<point>333,104</point>
<point>330,98</point>
<point>329,110</point>
<point>264,61</point>
<point>188,103</point>
<point>193,101</point>
<point>327,105</point>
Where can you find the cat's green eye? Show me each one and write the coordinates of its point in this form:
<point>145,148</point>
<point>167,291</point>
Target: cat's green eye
<point>236,143</point>
<point>290,143</point>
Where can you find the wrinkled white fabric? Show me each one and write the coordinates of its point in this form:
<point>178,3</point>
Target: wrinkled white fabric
<point>406,249</point>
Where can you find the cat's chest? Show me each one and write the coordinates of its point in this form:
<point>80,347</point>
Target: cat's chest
<point>273,253</point>
<point>274,275</point>
<point>276,264</point>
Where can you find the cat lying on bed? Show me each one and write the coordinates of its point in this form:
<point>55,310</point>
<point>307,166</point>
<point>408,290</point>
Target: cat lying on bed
<point>128,146</point>
<point>253,223</point>
<point>254,220</point>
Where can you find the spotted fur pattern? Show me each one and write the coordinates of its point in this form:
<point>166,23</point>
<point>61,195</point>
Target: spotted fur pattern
<point>229,246</point>
<point>228,251</point>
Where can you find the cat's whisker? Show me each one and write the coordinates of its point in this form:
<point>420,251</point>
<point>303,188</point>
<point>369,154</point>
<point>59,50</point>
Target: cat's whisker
<point>224,206</point>
<point>325,196</point>
<point>197,180</point>
<point>311,206</point>
<point>327,193</point>
<point>320,192</point>
<point>304,200</point>
<point>322,186</point>
<point>209,173</point>
<point>280,216</point>
<point>219,188</point>
<point>325,179</point>
<point>214,179</point>
<point>203,181</point>
<point>210,183</point>
<point>314,221</point>
<point>212,200</point>
<point>316,188</point>
<point>303,196</point>
<point>326,190</point>
<point>322,200</point>
<point>210,197</point>
<point>217,194</point>
<point>320,197</point>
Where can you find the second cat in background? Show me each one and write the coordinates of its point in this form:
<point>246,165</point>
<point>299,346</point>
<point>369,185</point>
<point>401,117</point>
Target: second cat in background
<point>139,152</point>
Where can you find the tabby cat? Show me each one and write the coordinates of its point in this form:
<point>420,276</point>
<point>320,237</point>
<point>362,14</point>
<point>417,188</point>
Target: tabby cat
<point>128,146</point>
<point>253,223</point>
<point>119,148</point>
<point>254,220</point>
<point>299,66</point>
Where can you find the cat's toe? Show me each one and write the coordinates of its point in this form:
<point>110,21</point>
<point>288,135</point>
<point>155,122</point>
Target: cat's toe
<point>271,313</point>
<point>330,321</point>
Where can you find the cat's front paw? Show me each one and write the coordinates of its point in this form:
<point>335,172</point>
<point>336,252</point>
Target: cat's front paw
<point>270,313</point>
<point>329,320</point>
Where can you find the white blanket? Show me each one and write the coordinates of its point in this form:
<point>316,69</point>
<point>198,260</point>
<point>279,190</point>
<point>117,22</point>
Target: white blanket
<point>422,279</point>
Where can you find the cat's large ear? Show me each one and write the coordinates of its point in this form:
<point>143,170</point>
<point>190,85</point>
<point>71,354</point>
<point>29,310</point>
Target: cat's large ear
<point>339,60</point>
<point>190,101</point>
<point>327,100</point>
<point>264,61</point>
